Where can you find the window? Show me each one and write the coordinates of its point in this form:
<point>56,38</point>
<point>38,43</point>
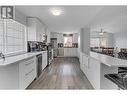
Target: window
<point>1,35</point>
<point>68,40</point>
<point>103,42</point>
<point>94,42</point>
<point>98,42</point>
<point>12,37</point>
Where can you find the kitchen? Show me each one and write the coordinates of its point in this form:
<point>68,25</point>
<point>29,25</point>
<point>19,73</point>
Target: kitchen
<point>61,44</point>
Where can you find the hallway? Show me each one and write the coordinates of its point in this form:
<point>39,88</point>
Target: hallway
<point>63,73</point>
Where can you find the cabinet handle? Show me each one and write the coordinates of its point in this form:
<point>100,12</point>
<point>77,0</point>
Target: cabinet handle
<point>29,72</point>
<point>29,63</point>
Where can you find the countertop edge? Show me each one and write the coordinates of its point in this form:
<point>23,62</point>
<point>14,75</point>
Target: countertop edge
<point>12,62</point>
<point>110,65</point>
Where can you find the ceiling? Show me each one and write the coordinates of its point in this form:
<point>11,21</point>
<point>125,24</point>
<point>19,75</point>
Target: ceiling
<point>76,17</point>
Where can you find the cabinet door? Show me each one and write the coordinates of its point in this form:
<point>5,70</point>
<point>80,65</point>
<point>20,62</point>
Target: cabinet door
<point>59,38</point>
<point>61,52</point>
<point>75,51</point>
<point>85,61</point>
<point>44,60</point>
<point>67,52</point>
<point>27,72</point>
<point>75,38</point>
<point>70,51</point>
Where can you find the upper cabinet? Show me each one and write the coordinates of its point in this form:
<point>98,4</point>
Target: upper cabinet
<point>36,29</point>
<point>48,35</point>
<point>60,38</point>
<point>75,38</point>
<point>53,35</point>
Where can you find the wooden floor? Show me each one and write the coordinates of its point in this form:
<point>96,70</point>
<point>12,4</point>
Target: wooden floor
<point>63,73</point>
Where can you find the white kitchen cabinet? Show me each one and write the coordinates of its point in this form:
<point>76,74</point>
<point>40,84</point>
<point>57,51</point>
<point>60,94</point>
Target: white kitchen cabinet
<point>66,53</point>
<point>84,62</point>
<point>60,38</point>
<point>35,29</point>
<point>95,71</point>
<point>18,75</point>
<point>48,35</point>
<point>27,72</point>
<point>44,60</point>
<point>91,69</point>
<point>60,51</point>
<point>75,38</point>
<point>70,52</point>
<point>53,35</point>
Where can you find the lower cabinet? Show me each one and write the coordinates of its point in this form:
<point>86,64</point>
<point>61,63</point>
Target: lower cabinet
<point>61,52</point>
<point>44,60</point>
<point>27,72</point>
<point>70,52</point>
<point>18,75</point>
<point>95,71</point>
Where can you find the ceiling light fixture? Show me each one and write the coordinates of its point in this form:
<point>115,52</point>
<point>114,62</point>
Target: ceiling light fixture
<point>56,11</point>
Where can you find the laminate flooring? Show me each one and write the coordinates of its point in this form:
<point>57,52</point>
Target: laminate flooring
<point>63,73</point>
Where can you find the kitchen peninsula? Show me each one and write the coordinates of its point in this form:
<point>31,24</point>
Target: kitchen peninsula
<point>96,65</point>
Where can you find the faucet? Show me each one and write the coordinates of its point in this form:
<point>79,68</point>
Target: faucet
<point>2,55</point>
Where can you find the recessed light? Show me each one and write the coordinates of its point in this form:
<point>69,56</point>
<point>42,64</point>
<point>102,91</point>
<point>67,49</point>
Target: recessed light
<point>56,11</point>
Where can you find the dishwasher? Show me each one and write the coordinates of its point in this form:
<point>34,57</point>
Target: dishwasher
<point>39,64</point>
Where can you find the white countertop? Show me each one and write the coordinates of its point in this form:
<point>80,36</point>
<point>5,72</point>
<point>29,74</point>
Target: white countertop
<point>14,59</point>
<point>109,60</point>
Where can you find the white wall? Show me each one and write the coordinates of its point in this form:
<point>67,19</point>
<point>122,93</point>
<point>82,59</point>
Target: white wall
<point>48,35</point>
<point>109,37</point>
<point>20,17</point>
<point>85,40</point>
<point>117,26</point>
<point>120,40</point>
<point>79,45</point>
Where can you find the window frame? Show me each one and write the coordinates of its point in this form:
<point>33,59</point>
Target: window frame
<point>5,37</point>
<point>68,35</point>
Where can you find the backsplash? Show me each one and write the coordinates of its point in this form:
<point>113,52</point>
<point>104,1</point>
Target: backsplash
<point>74,45</point>
<point>60,45</point>
<point>36,46</point>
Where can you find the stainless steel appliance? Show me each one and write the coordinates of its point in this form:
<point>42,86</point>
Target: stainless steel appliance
<point>120,78</point>
<point>54,47</point>
<point>49,49</point>
<point>39,64</point>
<point>34,46</point>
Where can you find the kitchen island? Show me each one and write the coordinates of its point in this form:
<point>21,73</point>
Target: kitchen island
<point>96,65</point>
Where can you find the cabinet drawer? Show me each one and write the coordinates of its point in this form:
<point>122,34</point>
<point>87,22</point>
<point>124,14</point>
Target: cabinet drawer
<point>29,77</point>
<point>27,72</point>
<point>27,65</point>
